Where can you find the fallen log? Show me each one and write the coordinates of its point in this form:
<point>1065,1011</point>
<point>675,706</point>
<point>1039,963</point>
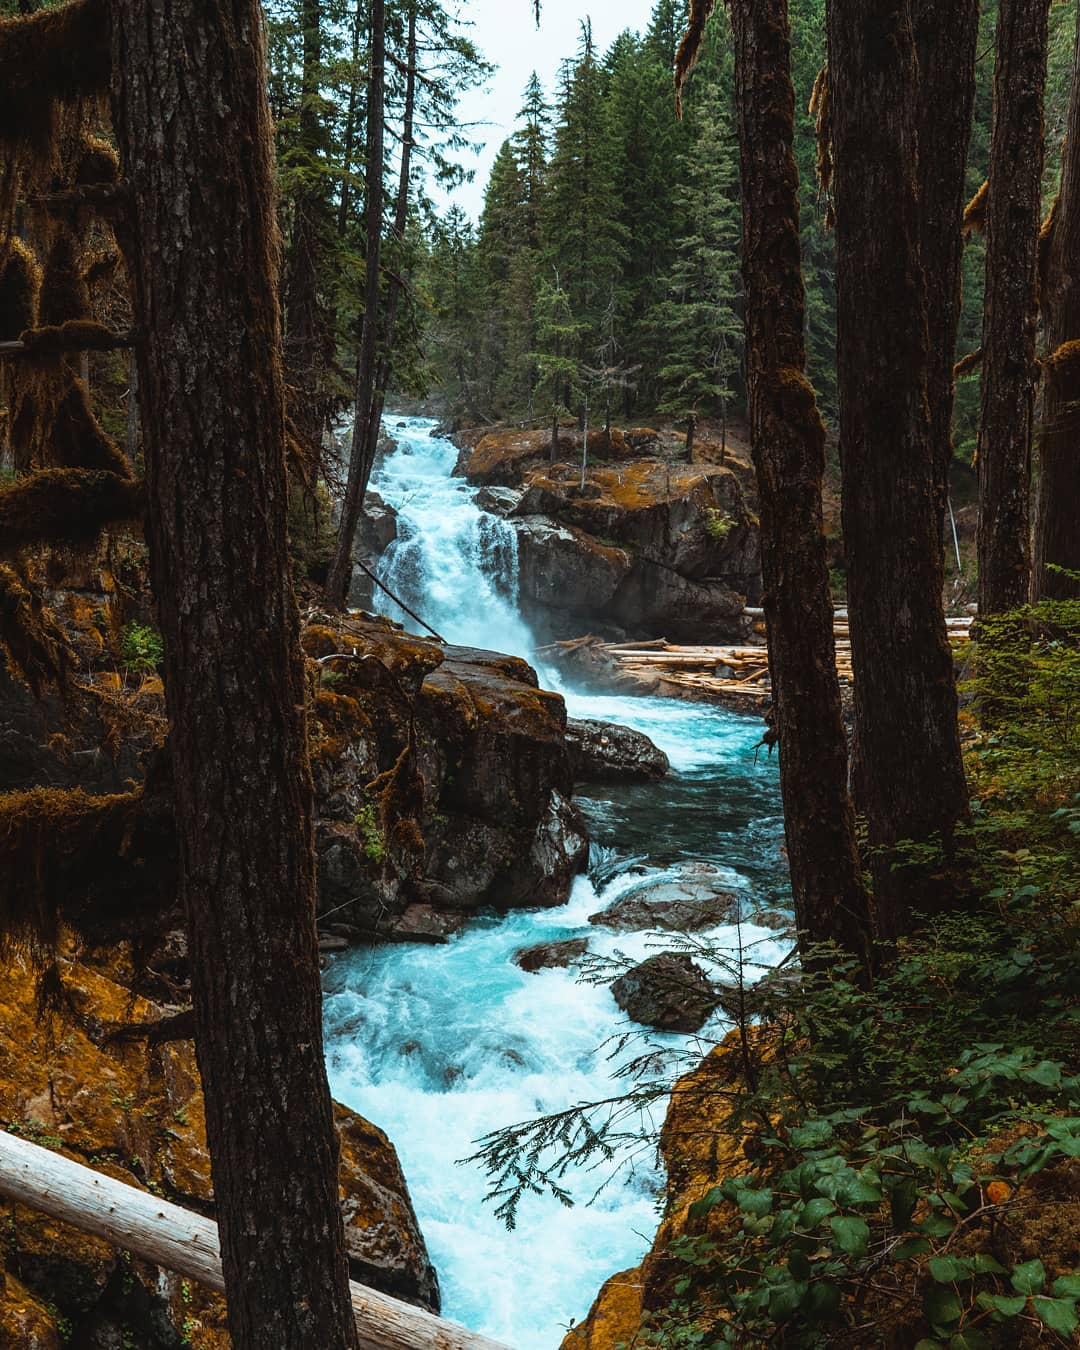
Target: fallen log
<point>168,1236</point>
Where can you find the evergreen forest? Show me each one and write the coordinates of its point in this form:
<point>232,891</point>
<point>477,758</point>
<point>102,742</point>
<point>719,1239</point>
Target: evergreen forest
<point>539,741</point>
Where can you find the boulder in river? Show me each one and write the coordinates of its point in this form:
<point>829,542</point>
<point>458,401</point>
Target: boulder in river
<point>604,752</point>
<point>692,902</point>
<point>669,991</point>
<point>551,955</point>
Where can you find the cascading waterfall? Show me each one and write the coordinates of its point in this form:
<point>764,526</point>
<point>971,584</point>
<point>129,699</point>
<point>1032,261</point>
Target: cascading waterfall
<point>440,1045</point>
<point>454,564</point>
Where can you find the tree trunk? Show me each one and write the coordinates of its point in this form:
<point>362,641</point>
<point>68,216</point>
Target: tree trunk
<point>350,123</point>
<point>131,429</point>
<point>195,136</point>
<point>788,442</point>
<point>1057,538</point>
<point>909,776</point>
<point>946,38</point>
<point>401,215</point>
<point>553,449</point>
<point>307,340</point>
<point>340,574</point>
<point>176,1239</point>
<point>691,427</point>
<point>1010,308</point>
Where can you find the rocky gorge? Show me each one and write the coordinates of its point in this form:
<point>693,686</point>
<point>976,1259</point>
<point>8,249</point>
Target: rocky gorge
<point>456,800</point>
<point>639,545</point>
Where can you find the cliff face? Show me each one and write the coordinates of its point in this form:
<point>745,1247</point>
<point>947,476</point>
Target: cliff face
<point>443,781</point>
<point>76,1080</point>
<point>648,547</point>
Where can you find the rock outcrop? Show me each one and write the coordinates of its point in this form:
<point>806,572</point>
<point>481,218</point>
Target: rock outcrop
<point>551,955</point>
<point>77,1081</point>
<point>442,776</point>
<point>604,752</point>
<point>668,991</point>
<point>695,901</point>
<point>646,547</point>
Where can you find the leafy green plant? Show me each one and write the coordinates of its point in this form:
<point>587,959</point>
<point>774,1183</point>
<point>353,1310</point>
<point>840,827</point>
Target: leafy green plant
<point>718,524</point>
<point>370,831</point>
<point>141,648</point>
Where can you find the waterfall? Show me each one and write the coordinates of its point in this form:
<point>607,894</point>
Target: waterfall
<point>440,1045</point>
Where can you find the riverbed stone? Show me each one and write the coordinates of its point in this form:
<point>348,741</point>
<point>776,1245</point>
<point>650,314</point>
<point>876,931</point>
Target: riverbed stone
<point>551,955</point>
<point>693,902</point>
<point>605,752</point>
<point>668,991</point>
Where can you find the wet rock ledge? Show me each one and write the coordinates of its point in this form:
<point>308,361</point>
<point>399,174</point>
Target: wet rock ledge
<point>443,782</point>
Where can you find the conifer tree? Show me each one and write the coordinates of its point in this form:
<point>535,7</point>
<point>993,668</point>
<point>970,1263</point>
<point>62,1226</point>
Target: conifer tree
<point>700,332</point>
<point>1010,316</point>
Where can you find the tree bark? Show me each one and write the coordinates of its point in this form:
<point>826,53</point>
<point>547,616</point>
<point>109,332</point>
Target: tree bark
<point>195,136</point>
<point>401,215</point>
<point>340,574</point>
<point>1010,308</point>
<point>307,339</point>
<point>909,778</point>
<point>946,38</point>
<point>788,443</point>
<point>1057,538</point>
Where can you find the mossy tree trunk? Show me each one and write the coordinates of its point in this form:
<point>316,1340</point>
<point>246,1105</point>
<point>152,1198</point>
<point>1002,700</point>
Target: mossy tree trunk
<point>909,778</point>
<point>1057,538</point>
<point>1010,308</point>
<point>194,131</point>
<point>360,461</point>
<point>946,38</point>
<point>788,442</point>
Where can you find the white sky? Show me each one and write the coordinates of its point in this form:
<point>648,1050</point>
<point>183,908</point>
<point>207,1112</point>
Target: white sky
<point>506,33</point>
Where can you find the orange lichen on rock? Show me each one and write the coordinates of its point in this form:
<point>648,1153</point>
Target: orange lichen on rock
<point>615,1317</point>
<point>136,1111</point>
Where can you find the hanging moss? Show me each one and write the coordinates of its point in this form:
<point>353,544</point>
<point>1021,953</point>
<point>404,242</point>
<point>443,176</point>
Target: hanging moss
<point>98,162</point>
<point>77,440</point>
<point>820,110</point>
<point>20,286</point>
<point>968,363</point>
<point>50,62</point>
<point>66,506</point>
<point>687,55</point>
<point>34,648</point>
<point>64,292</point>
<point>51,842</point>
<point>1063,365</point>
<point>76,335</point>
<point>975,211</point>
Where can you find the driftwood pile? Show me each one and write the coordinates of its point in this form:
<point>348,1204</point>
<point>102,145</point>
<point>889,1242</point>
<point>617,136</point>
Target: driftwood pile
<point>734,675</point>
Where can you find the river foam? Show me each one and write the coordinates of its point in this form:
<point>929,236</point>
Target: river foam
<point>439,1045</point>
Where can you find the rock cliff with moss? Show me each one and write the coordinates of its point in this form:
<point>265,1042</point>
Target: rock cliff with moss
<point>647,546</point>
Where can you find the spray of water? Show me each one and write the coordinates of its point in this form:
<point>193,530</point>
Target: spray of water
<point>441,1045</point>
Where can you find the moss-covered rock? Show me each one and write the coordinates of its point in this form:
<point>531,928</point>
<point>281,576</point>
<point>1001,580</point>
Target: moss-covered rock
<point>75,1081</point>
<point>442,777</point>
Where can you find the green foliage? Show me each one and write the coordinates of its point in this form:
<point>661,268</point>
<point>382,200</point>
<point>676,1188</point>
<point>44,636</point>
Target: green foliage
<point>904,1135</point>
<point>718,524</point>
<point>371,833</point>
<point>141,648</point>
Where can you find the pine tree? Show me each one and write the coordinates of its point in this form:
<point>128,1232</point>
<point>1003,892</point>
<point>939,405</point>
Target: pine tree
<point>700,332</point>
<point>581,235</point>
<point>557,361</point>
